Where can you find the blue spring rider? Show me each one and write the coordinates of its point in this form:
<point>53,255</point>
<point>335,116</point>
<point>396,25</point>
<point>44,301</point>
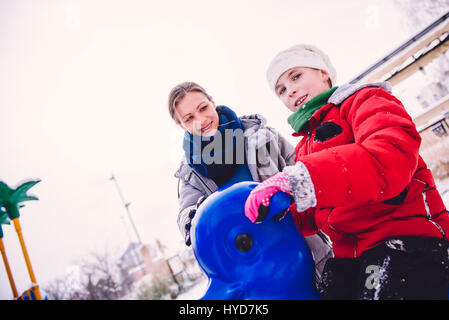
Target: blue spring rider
<point>243,260</point>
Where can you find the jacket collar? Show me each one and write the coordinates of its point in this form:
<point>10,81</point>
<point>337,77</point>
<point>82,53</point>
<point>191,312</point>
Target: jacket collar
<point>337,98</point>
<point>183,170</point>
<point>253,121</point>
<point>348,89</point>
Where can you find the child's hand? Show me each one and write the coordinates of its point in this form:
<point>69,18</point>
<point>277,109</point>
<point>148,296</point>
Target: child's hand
<point>275,191</point>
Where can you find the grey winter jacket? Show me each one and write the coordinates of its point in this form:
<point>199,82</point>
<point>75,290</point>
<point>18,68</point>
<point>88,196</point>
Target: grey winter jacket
<point>267,153</point>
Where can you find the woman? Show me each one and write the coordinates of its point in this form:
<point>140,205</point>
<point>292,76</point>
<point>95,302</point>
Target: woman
<point>222,148</point>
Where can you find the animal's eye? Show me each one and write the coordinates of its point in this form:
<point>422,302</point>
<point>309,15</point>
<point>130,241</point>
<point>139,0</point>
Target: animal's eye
<point>243,242</point>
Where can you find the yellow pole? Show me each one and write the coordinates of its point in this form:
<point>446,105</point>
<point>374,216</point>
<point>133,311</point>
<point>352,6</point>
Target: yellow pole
<point>27,259</point>
<point>8,270</point>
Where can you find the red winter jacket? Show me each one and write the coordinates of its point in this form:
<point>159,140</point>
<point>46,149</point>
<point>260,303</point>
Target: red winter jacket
<point>370,183</point>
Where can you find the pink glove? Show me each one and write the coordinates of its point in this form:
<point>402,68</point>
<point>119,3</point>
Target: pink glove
<point>257,205</point>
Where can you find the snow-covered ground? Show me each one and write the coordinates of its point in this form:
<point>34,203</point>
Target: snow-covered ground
<point>196,292</point>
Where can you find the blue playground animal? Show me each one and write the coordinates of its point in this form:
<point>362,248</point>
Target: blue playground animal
<point>243,260</point>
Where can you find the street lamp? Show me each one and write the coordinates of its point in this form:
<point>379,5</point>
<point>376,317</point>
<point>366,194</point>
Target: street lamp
<point>126,204</point>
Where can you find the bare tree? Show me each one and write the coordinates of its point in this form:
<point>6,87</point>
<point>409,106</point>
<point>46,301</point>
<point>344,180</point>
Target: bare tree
<point>417,14</point>
<point>57,290</point>
<point>98,279</point>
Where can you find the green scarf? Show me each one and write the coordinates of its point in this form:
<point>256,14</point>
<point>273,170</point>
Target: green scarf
<point>301,116</point>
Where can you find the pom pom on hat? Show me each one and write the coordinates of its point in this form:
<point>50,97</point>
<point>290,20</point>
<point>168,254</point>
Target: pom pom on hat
<point>301,55</point>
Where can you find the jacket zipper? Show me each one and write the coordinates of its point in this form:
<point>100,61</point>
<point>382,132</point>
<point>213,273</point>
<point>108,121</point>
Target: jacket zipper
<point>309,135</point>
<point>429,215</point>
<point>354,246</point>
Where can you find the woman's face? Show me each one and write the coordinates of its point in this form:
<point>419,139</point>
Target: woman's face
<point>197,114</point>
<point>296,86</point>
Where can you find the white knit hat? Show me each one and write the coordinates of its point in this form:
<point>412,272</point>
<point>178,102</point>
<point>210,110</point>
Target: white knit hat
<point>301,55</point>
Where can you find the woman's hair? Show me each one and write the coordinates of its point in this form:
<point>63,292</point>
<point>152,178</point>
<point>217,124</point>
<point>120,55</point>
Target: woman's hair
<point>178,92</point>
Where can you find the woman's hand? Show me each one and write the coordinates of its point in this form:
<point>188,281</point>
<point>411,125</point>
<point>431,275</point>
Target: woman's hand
<point>188,225</point>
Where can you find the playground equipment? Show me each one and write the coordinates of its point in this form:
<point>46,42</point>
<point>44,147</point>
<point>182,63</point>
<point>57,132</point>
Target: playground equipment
<point>5,220</point>
<point>243,260</point>
<point>9,203</point>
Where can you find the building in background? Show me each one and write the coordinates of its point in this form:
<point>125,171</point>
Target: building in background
<point>418,72</point>
<point>151,264</point>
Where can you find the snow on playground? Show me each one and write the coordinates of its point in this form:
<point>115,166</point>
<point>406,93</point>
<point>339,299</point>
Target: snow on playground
<point>196,292</point>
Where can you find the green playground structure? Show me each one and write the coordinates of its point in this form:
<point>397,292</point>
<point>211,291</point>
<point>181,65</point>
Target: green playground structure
<point>10,202</point>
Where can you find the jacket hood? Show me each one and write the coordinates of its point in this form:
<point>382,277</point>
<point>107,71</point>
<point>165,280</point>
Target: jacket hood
<point>348,89</point>
<point>183,169</point>
<point>253,121</point>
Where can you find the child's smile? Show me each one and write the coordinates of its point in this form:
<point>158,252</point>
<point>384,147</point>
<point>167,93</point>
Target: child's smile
<point>300,101</point>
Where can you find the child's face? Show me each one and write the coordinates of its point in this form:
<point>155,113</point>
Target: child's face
<point>197,114</point>
<point>298,85</point>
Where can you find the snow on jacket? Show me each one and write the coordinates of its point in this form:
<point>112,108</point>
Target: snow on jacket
<point>259,140</point>
<point>361,150</point>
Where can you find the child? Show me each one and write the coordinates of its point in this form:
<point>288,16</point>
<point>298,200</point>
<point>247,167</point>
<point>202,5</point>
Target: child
<point>222,148</point>
<point>358,178</point>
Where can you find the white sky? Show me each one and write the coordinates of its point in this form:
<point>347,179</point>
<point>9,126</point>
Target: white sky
<point>84,86</point>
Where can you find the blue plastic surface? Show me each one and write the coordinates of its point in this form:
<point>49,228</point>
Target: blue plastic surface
<point>243,260</point>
